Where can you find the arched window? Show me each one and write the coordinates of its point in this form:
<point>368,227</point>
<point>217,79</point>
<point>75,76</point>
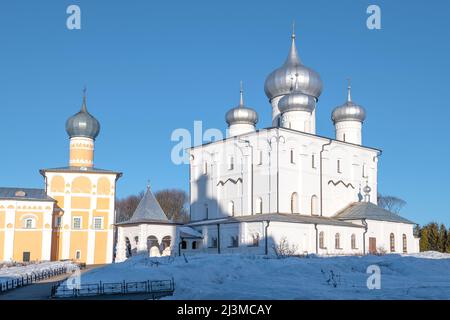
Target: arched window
<point>166,242</point>
<point>292,156</point>
<point>392,242</point>
<point>136,240</point>
<point>294,203</point>
<point>152,241</point>
<point>206,211</point>
<point>259,205</point>
<point>405,244</point>
<point>353,241</point>
<point>314,206</point>
<point>321,240</point>
<point>128,247</point>
<point>183,244</point>
<point>205,167</point>
<point>194,245</point>
<point>337,241</point>
<point>231,208</point>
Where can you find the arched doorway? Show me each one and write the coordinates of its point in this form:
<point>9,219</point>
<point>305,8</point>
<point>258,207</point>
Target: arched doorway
<point>152,241</point>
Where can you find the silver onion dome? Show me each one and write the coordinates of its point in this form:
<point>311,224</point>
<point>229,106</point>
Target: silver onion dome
<point>348,111</point>
<point>83,124</point>
<point>241,113</point>
<point>296,100</point>
<point>279,81</point>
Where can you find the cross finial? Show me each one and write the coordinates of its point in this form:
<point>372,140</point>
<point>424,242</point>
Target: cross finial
<point>349,89</point>
<point>83,106</point>
<point>241,92</point>
<point>293,29</point>
<point>148,184</point>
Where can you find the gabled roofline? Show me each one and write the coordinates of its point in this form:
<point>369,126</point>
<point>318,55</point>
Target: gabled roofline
<point>379,151</point>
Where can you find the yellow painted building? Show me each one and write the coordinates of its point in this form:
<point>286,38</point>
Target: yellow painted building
<point>73,217</point>
<point>25,224</point>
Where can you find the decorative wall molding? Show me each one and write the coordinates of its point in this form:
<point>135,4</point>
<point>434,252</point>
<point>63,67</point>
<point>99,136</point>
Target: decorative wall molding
<point>340,181</point>
<point>231,180</point>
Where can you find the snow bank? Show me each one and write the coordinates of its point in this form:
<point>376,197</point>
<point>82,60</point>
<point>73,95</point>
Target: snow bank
<point>9,273</point>
<point>210,276</point>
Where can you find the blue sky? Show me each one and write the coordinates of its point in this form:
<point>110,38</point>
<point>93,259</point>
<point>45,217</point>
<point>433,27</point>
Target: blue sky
<point>151,67</point>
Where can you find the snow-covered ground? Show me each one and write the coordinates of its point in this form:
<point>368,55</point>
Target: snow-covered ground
<point>9,273</point>
<point>206,276</point>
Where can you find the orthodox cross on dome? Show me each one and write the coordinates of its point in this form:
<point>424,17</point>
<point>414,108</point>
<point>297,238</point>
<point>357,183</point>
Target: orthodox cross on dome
<point>241,93</point>
<point>349,90</point>
<point>83,106</point>
<point>293,29</point>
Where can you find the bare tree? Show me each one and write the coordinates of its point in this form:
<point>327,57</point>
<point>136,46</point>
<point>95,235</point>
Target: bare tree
<point>125,207</point>
<point>174,203</point>
<point>391,203</point>
<point>283,249</point>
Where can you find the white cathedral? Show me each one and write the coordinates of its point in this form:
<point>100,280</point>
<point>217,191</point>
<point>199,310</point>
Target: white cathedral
<point>259,188</point>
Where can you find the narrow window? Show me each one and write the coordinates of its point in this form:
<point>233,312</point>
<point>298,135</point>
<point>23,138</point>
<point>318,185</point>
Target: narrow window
<point>58,222</point>
<point>136,239</point>
<point>183,245</point>
<point>292,156</point>
<point>194,245</point>
<point>313,161</point>
<point>392,242</point>
<point>206,212</point>
<point>353,241</point>
<point>76,223</point>
<point>337,241</point>
<point>230,163</point>
<point>314,206</point>
<point>213,242</point>
<point>234,242</point>
<point>344,137</point>
<point>205,167</point>
<point>259,205</point>
<point>405,244</point>
<point>321,240</point>
<point>231,208</point>
<point>338,166</point>
<point>255,240</point>
<point>260,157</point>
<point>364,170</point>
<point>29,223</point>
<point>78,255</point>
<point>294,203</point>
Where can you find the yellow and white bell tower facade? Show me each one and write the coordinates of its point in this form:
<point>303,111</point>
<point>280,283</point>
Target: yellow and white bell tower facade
<point>84,214</point>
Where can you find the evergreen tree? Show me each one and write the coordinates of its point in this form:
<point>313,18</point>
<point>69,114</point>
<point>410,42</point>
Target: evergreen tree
<point>424,245</point>
<point>443,238</point>
<point>448,240</point>
<point>433,236</point>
